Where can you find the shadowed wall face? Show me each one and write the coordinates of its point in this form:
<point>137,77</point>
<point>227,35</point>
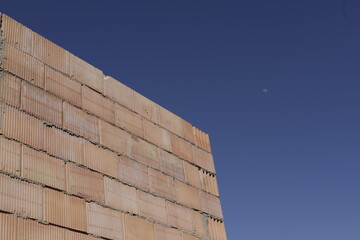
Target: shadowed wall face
<point>92,157</point>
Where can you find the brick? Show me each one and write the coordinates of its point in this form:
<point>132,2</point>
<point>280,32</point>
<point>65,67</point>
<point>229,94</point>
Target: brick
<point>179,216</point>
<point>85,183</point>
<point>162,184</point>
<point>114,138</point>
<point>54,207</point>
<point>118,92</point>
<point>41,104</point>
<point>210,204</point>
<point>190,237</point>
<point>181,148</point>
<point>187,195</point>
<point>128,120</point>
<point>100,159</point>
<point>104,222</point>
<point>133,173</point>
<point>62,86</point>
<point>97,104</point>
<point>40,167</point>
<point>217,229</point>
<point>203,159</point>
<point>145,107</point>
<point>144,152</point>
<point>21,197</point>
<point>209,182</point>
<point>70,235</point>
<point>152,207</point>
<point>31,230</point>
<point>86,73</point>
<point>202,139</point>
<point>8,226</point>
<point>172,165</point>
<point>10,156</point>
<point>23,65</point>
<point>170,121</point>
<point>138,229</point>
<point>23,127</point>
<point>157,135</point>
<point>188,131</point>
<point>165,233</point>
<point>80,122</point>
<point>63,145</point>
<point>192,174</point>
<point>200,224</point>
<point>120,196</point>
<point>10,89</point>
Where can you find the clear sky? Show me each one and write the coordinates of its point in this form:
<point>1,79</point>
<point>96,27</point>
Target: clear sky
<point>275,84</point>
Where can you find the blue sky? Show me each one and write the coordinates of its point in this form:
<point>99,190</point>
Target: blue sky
<point>287,159</point>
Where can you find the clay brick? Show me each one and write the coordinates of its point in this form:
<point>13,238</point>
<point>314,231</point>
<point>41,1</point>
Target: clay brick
<point>162,184</point>
<point>23,127</point>
<point>210,204</point>
<point>181,148</point>
<point>138,229</point>
<point>152,207</point>
<point>85,183</point>
<point>104,222</point>
<point>200,224</point>
<point>192,174</point>
<point>114,138</point>
<point>187,195</point>
<point>54,207</point>
<point>23,65</point>
<point>31,230</point>
<point>191,237</point>
<point>10,89</point>
<point>97,104</point>
<point>217,229</point>
<point>170,121</point>
<point>133,173</point>
<point>128,120</point>
<point>100,159</point>
<point>172,165</point>
<point>203,159</point>
<point>21,197</point>
<point>202,139</point>
<point>146,107</point>
<point>10,156</point>
<point>209,182</point>
<point>40,167</point>
<point>41,104</point>
<point>70,235</point>
<point>62,86</point>
<point>165,233</point>
<point>80,122</point>
<point>144,152</point>
<point>188,131</point>
<point>157,135</point>
<point>120,196</point>
<point>179,216</point>
<point>118,92</point>
<point>75,213</point>
<point>2,116</point>
<point>8,227</point>
<point>86,73</point>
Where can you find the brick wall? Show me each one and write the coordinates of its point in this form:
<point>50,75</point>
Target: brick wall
<point>83,156</point>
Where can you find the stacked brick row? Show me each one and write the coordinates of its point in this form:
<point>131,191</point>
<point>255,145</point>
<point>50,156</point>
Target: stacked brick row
<point>83,156</point>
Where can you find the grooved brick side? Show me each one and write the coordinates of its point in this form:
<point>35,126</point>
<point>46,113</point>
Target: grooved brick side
<point>10,89</point>
<point>8,226</point>
<point>30,230</point>
<point>144,152</point>
<point>10,156</point>
<point>114,138</point>
<point>211,204</point>
<point>133,173</point>
<point>172,165</point>
<point>157,135</point>
<point>162,184</point>
<point>188,195</point>
<point>138,229</point>
<point>200,224</point>
<point>129,120</point>
<point>181,148</point>
<point>179,216</point>
<point>152,207</point>
<point>164,233</point>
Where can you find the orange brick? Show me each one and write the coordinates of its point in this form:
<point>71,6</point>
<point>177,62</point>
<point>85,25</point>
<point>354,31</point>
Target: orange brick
<point>138,229</point>
<point>41,104</point>
<point>181,148</point>
<point>128,120</point>
<point>114,138</point>
<point>133,173</point>
<point>179,216</point>
<point>10,89</point>
<point>70,235</point>
<point>210,204</point>
<point>97,104</point>
<point>144,152</point>
<point>172,165</point>
<point>80,122</point>
<point>23,65</point>
<point>192,174</point>
<point>162,184</point>
<point>8,226</point>
<point>10,156</point>
<point>85,183</point>
<point>31,230</point>
<point>86,73</point>
<point>62,86</point>
<point>200,224</point>
<point>40,167</point>
<point>63,145</point>
<point>21,197</point>
<point>209,182</point>
<point>75,213</point>
<point>188,195</point>
<point>170,121</point>
<point>54,207</point>
<point>202,139</point>
<point>190,237</point>
<point>146,107</point>
<point>217,229</point>
<point>165,233</point>
<point>157,135</point>
<point>104,222</point>
<point>100,159</point>
<point>152,207</point>
<point>118,92</point>
<point>203,159</point>
<point>188,131</point>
